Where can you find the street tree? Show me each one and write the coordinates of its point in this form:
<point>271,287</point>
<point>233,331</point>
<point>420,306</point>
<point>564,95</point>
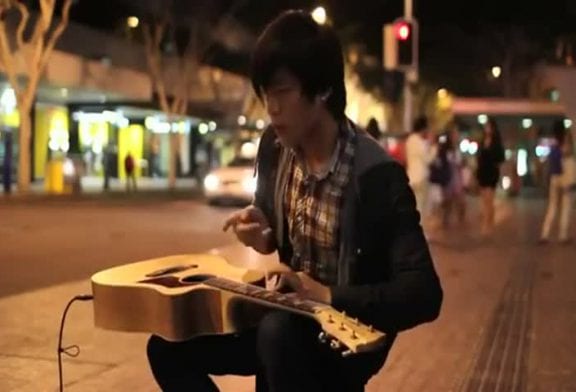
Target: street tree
<point>177,39</point>
<point>24,54</point>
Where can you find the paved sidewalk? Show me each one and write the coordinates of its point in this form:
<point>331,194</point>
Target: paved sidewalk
<point>507,324</point>
<point>148,189</point>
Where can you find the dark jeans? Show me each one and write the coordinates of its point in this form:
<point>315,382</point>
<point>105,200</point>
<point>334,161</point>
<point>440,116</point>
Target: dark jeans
<point>283,353</point>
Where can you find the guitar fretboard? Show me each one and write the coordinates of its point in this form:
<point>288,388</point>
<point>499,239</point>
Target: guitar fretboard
<point>259,293</point>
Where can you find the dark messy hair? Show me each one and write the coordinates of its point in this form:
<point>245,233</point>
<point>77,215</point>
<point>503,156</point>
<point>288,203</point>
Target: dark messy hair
<point>312,52</point>
<point>496,135</point>
<point>559,131</point>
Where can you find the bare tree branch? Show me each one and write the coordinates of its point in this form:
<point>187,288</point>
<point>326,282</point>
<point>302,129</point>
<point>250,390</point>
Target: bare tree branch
<point>152,39</point>
<point>24,17</point>
<point>159,28</point>
<point>7,58</point>
<point>56,34</point>
<point>40,30</point>
<point>47,12</point>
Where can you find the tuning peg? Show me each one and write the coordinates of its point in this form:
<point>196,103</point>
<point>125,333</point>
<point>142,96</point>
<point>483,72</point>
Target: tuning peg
<point>371,328</point>
<point>342,328</point>
<point>356,321</point>
<point>323,337</point>
<point>347,353</point>
<point>354,336</point>
<point>330,319</point>
<point>335,344</point>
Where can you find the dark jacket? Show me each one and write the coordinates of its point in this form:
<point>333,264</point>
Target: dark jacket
<point>386,274</point>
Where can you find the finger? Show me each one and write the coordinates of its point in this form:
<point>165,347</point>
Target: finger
<point>271,282</point>
<point>290,281</point>
<point>254,214</point>
<point>279,268</point>
<point>305,280</point>
<point>247,227</point>
<point>231,221</point>
<point>246,214</point>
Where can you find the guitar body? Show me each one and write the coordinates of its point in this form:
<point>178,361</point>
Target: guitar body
<point>166,297</point>
<point>180,297</point>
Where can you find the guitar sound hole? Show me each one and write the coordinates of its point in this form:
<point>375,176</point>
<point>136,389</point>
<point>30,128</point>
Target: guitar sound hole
<point>170,270</point>
<point>197,278</point>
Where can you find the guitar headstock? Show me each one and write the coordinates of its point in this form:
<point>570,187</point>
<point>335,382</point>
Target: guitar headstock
<point>343,332</point>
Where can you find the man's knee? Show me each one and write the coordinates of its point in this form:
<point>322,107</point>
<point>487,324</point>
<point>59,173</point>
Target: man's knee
<point>280,333</point>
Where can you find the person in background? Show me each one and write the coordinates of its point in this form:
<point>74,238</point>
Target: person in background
<point>109,160</point>
<point>561,168</point>
<point>7,163</point>
<point>490,157</point>
<point>130,170</point>
<point>439,179</point>
<point>454,191</point>
<point>419,156</point>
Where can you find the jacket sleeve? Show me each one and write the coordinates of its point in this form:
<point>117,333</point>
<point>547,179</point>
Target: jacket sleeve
<point>412,293</point>
<point>266,162</point>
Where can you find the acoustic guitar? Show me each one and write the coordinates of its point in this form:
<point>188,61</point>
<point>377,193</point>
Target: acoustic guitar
<point>183,296</point>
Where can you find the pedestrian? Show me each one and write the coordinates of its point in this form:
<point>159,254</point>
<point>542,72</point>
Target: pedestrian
<point>130,170</point>
<point>419,155</point>
<point>454,191</point>
<point>490,158</point>
<point>440,175</point>
<point>7,163</point>
<point>109,160</point>
<point>339,213</point>
<point>561,168</point>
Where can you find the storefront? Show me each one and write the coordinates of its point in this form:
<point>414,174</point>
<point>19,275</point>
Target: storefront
<point>99,137</point>
<point>107,137</point>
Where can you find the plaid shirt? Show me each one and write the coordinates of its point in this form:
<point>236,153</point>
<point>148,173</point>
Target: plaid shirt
<point>313,204</point>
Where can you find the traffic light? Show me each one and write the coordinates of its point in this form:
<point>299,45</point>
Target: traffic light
<point>400,44</point>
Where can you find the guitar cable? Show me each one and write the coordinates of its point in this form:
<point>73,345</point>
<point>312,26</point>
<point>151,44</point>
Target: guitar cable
<point>73,350</point>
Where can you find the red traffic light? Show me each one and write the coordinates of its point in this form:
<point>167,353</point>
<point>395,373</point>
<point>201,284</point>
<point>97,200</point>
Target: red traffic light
<point>402,30</point>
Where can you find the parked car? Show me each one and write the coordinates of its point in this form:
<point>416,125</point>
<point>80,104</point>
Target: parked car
<point>234,182</point>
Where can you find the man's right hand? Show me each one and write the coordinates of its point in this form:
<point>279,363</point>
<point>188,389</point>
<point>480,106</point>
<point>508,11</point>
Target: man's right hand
<point>251,228</point>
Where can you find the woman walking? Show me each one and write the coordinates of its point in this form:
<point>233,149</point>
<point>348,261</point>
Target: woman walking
<point>490,157</point>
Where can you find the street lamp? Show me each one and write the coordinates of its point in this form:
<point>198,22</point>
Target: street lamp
<point>496,72</point>
<point>132,22</point>
<point>319,15</point>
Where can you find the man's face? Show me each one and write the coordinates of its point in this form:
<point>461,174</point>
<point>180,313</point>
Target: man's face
<point>292,114</point>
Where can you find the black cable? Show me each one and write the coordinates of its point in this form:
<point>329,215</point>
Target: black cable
<point>74,350</point>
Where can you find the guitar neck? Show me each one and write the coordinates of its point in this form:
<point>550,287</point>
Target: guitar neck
<point>271,298</point>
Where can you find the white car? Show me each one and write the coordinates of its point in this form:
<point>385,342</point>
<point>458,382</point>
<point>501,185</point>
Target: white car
<point>235,182</point>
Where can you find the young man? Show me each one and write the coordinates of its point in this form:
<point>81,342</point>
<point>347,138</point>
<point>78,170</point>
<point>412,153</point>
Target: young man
<point>341,216</point>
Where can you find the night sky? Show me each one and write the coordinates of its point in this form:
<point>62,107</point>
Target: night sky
<point>458,37</point>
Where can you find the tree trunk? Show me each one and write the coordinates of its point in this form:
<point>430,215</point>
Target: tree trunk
<point>24,149</point>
